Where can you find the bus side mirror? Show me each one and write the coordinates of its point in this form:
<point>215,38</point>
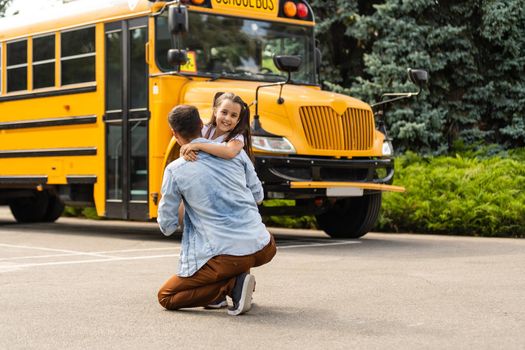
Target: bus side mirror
<point>287,63</point>
<point>177,57</point>
<point>418,76</point>
<point>178,19</point>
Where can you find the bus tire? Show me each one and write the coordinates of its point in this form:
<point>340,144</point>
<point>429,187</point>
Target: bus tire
<point>30,209</point>
<point>55,208</point>
<point>351,217</point>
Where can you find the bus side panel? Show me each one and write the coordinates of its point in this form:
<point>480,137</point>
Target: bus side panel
<point>83,143</point>
<point>164,95</point>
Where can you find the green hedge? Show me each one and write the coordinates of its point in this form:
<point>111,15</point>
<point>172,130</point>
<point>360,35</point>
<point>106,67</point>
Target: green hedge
<point>300,222</point>
<point>475,193</point>
<point>469,194</point>
<point>88,212</point>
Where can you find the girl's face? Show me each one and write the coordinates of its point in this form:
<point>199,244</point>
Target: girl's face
<point>227,116</point>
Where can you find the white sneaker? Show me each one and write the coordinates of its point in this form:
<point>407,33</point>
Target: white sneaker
<point>242,294</point>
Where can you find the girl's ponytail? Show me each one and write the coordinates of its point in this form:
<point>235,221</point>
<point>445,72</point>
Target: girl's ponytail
<point>245,114</point>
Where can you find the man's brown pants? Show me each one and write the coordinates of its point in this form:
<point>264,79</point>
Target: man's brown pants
<point>212,281</point>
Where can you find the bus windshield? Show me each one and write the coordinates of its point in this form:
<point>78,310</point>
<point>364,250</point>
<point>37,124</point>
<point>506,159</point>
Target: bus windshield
<point>239,48</point>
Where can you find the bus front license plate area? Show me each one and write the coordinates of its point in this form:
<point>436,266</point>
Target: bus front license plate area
<point>344,192</point>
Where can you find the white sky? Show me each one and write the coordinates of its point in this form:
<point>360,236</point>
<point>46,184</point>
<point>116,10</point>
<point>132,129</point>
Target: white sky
<point>30,6</point>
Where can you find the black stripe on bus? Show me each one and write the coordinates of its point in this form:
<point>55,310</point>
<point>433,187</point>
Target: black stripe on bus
<point>81,179</point>
<point>60,92</point>
<point>50,152</point>
<point>38,123</point>
<point>23,180</point>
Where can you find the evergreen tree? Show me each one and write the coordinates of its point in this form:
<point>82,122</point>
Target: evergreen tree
<point>3,6</point>
<point>342,52</point>
<point>339,55</point>
<point>474,51</point>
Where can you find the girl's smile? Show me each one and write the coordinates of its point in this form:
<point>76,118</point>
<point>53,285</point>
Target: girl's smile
<point>227,117</point>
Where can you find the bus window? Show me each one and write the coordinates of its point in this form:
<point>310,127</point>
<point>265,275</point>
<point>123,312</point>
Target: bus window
<point>114,70</point>
<point>286,44</point>
<point>44,61</point>
<point>17,66</point>
<point>77,50</point>
<point>139,160</point>
<point>138,67</point>
<point>241,48</point>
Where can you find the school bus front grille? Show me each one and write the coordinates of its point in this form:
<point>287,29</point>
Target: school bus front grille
<point>327,130</point>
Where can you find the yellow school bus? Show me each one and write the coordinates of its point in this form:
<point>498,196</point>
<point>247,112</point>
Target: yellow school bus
<point>85,90</point>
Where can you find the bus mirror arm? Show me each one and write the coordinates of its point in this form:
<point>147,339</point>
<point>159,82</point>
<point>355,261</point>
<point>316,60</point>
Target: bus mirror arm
<point>164,7</point>
<point>256,127</point>
<point>418,76</point>
<point>286,64</point>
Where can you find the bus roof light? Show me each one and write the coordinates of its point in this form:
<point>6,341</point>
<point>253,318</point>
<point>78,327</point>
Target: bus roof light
<point>197,2</point>
<point>290,9</point>
<point>302,10</point>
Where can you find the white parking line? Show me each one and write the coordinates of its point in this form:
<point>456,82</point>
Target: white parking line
<point>10,266</point>
<point>85,253</point>
<point>318,244</point>
<point>70,252</point>
<point>73,262</point>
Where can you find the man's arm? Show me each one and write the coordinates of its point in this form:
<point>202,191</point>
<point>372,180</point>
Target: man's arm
<point>169,205</point>
<point>252,181</point>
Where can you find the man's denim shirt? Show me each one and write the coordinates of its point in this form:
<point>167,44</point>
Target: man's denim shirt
<point>221,214</point>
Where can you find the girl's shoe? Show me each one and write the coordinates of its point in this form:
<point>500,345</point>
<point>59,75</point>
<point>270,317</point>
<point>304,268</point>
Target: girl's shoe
<point>217,304</point>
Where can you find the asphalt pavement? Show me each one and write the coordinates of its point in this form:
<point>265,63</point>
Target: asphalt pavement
<point>83,284</point>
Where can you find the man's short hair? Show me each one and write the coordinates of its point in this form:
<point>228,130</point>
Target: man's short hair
<point>186,121</point>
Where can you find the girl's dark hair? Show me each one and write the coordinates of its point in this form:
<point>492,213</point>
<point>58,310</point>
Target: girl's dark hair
<point>242,127</point>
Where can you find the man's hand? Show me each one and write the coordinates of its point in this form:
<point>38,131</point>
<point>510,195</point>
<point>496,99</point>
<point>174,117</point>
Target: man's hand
<point>189,152</point>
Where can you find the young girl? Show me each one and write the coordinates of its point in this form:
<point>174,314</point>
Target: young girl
<point>229,127</point>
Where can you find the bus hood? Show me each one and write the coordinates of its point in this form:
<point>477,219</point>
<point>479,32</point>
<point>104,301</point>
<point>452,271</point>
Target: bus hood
<point>316,122</point>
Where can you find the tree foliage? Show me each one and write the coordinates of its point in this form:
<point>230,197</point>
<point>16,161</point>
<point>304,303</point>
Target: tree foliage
<point>474,51</point>
<point>3,6</point>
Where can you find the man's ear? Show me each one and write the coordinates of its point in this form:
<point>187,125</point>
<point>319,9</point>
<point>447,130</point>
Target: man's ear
<point>177,136</point>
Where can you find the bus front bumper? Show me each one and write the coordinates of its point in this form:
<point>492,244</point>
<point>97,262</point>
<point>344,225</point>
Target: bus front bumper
<point>305,177</point>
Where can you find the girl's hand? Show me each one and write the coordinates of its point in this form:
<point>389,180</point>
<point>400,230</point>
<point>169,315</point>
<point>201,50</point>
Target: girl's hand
<point>190,156</point>
<point>189,152</point>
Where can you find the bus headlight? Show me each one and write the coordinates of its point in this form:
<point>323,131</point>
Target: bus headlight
<point>388,149</point>
<point>272,144</point>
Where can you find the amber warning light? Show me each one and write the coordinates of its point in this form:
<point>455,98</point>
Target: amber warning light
<point>292,9</point>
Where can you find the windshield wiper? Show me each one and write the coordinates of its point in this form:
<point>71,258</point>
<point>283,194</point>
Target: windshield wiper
<point>216,76</point>
<point>240,74</point>
<point>272,75</point>
<point>170,73</point>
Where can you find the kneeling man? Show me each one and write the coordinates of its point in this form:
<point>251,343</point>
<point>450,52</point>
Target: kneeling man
<point>223,232</point>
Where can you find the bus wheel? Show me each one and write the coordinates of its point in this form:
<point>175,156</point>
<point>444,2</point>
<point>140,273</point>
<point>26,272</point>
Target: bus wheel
<point>55,208</point>
<point>351,217</point>
<point>30,209</point>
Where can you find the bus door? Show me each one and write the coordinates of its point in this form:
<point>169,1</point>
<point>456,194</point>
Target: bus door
<point>126,119</point>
